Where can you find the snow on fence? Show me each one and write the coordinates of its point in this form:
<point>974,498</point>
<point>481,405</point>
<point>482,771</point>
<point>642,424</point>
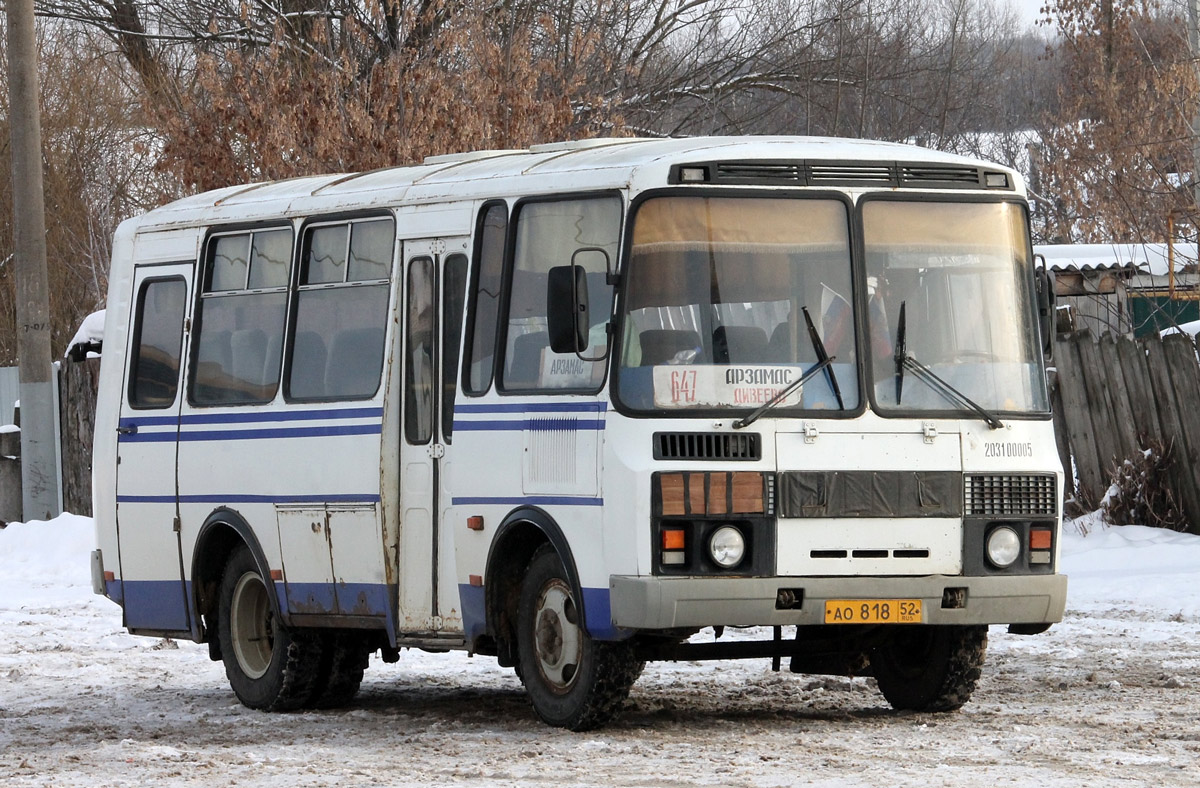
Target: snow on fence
<point>1115,397</point>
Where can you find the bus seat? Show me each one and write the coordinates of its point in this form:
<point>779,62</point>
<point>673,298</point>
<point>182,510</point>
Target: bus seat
<point>526,366</point>
<point>779,347</point>
<point>355,361</point>
<point>739,345</point>
<point>249,350</point>
<point>659,345</point>
<point>213,354</point>
<point>307,378</point>
<point>270,371</point>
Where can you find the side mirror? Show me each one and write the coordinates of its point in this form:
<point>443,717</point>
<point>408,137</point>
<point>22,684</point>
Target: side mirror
<point>567,309</point>
<point>1043,280</point>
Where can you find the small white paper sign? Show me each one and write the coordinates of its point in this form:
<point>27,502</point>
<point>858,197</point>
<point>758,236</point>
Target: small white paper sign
<point>742,386</point>
<point>567,370</point>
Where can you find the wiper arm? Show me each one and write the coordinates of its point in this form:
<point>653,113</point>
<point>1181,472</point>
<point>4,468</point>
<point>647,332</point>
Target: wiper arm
<point>795,384</point>
<point>823,356</point>
<point>941,386</point>
<point>901,353</point>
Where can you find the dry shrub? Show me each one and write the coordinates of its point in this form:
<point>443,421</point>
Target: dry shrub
<point>1141,491</point>
<point>339,103</point>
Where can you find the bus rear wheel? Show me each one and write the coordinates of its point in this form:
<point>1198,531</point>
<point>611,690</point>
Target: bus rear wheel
<point>573,681</point>
<point>269,667</point>
<point>929,668</point>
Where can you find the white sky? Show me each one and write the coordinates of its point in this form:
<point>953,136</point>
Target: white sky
<point>1028,9</point>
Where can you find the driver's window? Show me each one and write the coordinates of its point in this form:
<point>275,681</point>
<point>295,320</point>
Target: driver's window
<point>549,234</point>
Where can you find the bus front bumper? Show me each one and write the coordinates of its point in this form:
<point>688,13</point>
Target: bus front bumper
<point>683,602</point>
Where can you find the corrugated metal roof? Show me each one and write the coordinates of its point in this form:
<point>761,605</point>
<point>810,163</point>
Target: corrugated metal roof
<point>1151,258</point>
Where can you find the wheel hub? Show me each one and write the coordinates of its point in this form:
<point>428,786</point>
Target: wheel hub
<point>252,626</point>
<point>557,636</point>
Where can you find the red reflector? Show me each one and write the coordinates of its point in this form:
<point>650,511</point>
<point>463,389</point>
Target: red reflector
<point>475,523</point>
<point>276,574</point>
<point>673,539</point>
<point>1040,539</point>
<point>109,577</point>
<point>476,580</point>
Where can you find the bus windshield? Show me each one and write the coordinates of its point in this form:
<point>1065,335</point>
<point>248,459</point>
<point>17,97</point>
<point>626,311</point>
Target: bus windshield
<point>719,297</point>
<point>961,272</point>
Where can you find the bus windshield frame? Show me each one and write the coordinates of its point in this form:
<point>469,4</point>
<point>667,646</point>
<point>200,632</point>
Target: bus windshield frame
<point>715,289</point>
<point>718,288</point>
<point>962,270</point>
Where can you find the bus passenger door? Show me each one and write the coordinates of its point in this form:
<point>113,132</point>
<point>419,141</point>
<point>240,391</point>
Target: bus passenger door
<point>434,288</point>
<point>147,477</point>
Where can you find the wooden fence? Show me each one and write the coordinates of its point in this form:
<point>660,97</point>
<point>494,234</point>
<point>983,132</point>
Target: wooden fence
<point>77,419</point>
<point>1114,397</point>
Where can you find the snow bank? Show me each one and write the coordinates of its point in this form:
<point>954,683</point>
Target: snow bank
<point>1133,566</point>
<point>42,554</point>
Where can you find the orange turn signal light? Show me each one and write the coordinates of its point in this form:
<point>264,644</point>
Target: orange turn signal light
<point>673,539</point>
<point>1040,539</point>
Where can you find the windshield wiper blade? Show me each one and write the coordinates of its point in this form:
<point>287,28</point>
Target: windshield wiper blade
<point>795,384</point>
<point>943,387</point>
<point>901,353</point>
<point>823,356</point>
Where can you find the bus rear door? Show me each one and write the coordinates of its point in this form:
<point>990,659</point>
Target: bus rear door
<point>147,441</point>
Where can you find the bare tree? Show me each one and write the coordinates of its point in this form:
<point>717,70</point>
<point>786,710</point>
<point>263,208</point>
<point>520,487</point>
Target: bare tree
<point>1116,156</point>
<point>95,174</point>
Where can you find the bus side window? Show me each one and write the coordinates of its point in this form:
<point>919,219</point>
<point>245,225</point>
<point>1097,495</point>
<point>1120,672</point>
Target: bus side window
<point>157,341</point>
<point>552,233</point>
<point>341,311</point>
<point>240,316</point>
<point>454,294</point>
<point>480,349</point>
<point>418,353</point>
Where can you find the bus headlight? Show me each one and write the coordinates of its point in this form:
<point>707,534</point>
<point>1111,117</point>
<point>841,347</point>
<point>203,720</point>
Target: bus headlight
<point>1003,547</point>
<point>727,547</point>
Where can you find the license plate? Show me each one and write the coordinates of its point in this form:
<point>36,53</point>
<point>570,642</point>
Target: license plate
<point>873,611</point>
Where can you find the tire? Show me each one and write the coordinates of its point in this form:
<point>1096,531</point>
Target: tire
<point>929,668</point>
<point>573,681</point>
<point>269,667</point>
<point>344,659</point>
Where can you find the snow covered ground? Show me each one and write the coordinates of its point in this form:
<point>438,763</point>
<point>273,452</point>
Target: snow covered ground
<point>1107,698</point>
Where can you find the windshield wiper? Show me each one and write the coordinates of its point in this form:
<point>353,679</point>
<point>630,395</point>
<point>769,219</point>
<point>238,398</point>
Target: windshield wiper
<point>823,356</point>
<point>943,387</point>
<point>795,384</point>
<point>900,353</point>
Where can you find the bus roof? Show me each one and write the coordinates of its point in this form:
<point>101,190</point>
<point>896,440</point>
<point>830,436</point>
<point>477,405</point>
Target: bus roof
<point>583,165</point>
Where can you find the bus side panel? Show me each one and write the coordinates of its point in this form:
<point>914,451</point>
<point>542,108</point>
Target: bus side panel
<point>511,453</point>
<point>108,404</point>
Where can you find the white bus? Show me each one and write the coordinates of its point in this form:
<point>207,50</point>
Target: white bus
<point>571,405</point>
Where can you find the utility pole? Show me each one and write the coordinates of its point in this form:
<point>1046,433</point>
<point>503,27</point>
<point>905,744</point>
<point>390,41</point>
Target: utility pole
<point>39,477</point>
<point>1194,44</point>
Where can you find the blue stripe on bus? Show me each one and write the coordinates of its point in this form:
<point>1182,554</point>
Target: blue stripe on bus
<point>533,407</point>
<point>159,605</point>
<point>596,604</point>
<point>561,425</point>
<point>240,435</point>
<point>252,417</point>
<point>534,500</point>
<point>238,498</point>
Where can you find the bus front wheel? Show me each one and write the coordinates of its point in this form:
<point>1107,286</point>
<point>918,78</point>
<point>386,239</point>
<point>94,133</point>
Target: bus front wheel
<point>268,666</point>
<point>929,668</point>
<point>573,681</point>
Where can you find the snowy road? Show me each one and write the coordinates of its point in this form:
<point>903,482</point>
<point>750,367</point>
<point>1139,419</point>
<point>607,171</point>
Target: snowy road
<point>1111,697</point>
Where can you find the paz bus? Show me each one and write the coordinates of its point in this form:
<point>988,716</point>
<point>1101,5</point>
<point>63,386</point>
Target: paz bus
<point>570,406</point>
